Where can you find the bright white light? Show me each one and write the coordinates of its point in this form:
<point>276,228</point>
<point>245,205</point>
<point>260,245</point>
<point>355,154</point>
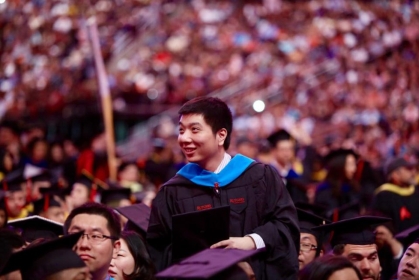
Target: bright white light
<point>259,106</point>
<point>2,1</point>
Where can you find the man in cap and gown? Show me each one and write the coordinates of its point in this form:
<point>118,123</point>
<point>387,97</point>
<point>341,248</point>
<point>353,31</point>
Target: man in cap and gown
<point>355,239</point>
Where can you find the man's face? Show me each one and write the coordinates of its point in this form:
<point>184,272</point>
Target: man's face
<point>406,175</point>
<point>96,254</point>
<point>306,256</point>
<point>15,202</point>
<point>198,142</point>
<point>284,151</point>
<point>365,258</point>
<point>409,264</point>
<point>79,195</point>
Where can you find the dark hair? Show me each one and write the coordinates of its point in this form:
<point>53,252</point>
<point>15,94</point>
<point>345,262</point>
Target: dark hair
<point>12,238</point>
<point>336,176</point>
<point>93,208</point>
<point>215,112</point>
<point>323,267</point>
<point>144,268</point>
<point>31,145</point>
<point>338,249</point>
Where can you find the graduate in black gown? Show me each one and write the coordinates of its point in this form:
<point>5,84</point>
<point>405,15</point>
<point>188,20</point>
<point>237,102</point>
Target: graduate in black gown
<point>262,213</point>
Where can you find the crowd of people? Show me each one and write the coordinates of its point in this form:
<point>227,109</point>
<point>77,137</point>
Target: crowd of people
<point>284,200</point>
<point>335,150</point>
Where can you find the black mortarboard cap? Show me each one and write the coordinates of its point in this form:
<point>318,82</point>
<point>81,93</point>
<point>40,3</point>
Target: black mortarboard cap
<point>210,264</point>
<point>13,181</point>
<point>316,209</point>
<point>198,230</point>
<point>356,231</point>
<point>337,153</point>
<point>113,195</point>
<point>277,136</point>
<point>48,200</point>
<point>91,183</point>
<point>307,221</point>
<point>39,261</point>
<point>138,216</point>
<point>85,180</point>
<point>35,227</point>
<point>344,212</point>
<point>408,236</point>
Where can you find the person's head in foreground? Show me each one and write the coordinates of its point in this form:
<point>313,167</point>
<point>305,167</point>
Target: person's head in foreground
<point>354,239</point>
<point>100,241</point>
<point>49,260</point>
<point>132,261</point>
<point>330,267</point>
<point>409,264</point>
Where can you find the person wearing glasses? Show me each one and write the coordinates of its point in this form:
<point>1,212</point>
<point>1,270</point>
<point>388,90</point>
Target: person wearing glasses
<point>100,241</point>
<point>310,240</point>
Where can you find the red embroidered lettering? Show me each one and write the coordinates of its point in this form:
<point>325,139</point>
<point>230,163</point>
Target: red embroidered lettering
<point>203,207</point>
<point>239,200</point>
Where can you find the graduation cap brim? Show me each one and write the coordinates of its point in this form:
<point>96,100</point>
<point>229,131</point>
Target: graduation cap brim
<point>356,231</point>
<point>13,181</point>
<point>26,257</point>
<point>35,173</point>
<point>34,227</point>
<point>338,153</point>
<point>409,235</point>
<point>138,216</point>
<point>207,263</point>
<point>316,209</point>
<point>307,221</point>
<point>344,212</point>
<point>198,230</point>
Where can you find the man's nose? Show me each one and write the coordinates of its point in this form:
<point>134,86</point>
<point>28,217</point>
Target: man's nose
<point>365,265</point>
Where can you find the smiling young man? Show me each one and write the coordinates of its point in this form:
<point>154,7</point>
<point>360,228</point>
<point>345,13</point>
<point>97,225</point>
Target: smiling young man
<point>100,241</point>
<point>262,214</point>
<point>409,264</point>
<point>355,239</point>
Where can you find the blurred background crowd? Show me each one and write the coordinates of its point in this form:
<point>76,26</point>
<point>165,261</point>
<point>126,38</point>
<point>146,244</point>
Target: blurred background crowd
<point>333,74</point>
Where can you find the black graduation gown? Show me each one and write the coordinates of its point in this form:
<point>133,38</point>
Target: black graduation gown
<point>259,204</point>
<point>400,204</point>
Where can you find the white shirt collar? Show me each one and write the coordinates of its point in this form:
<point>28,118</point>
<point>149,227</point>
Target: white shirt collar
<point>223,163</point>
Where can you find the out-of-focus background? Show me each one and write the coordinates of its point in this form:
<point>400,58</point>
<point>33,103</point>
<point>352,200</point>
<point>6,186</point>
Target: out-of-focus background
<point>335,71</point>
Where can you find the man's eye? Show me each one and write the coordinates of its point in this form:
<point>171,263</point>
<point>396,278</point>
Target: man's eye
<point>95,236</point>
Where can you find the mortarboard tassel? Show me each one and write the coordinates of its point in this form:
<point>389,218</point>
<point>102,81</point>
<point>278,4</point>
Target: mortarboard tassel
<point>5,188</point>
<point>28,191</point>
<point>46,202</point>
<point>93,192</point>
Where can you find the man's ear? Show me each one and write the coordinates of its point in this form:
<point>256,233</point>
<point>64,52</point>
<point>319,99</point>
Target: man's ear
<point>321,253</point>
<point>221,136</point>
<point>116,247</point>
